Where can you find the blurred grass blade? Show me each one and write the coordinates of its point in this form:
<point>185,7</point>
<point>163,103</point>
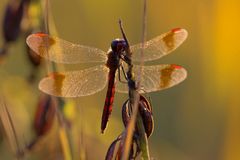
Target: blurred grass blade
<point>9,128</point>
<point>65,144</point>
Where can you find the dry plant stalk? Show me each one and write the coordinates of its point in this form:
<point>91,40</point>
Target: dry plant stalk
<point>63,131</point>
<point>135,116</point>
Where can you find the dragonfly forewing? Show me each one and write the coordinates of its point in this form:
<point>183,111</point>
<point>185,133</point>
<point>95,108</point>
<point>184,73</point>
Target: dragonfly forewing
<point>75,83</point>
<point>160,45</point>
<point>156,77</point>
<point>61,51</point>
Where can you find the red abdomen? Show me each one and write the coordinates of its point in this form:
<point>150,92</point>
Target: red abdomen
<point>107,110</point>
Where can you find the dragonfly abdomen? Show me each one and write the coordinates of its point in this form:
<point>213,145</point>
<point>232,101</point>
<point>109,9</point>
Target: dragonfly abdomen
<point>109,99</point>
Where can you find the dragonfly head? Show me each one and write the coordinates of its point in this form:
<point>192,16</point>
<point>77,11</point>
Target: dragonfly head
<point>118,45</point>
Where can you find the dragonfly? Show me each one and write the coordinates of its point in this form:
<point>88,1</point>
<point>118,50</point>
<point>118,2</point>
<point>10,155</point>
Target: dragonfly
<point>89,81</point>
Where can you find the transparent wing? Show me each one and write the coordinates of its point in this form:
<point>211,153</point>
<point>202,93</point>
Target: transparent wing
<point>61,51</point>
<point>75,83</point>
<point>160,46</point>
<point>156,77</point>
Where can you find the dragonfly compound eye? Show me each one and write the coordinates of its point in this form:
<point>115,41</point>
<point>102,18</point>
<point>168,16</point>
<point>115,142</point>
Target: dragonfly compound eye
<point>118,45</point>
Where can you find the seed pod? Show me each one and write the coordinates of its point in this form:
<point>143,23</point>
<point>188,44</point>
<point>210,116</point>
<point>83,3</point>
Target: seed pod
<point>35,61</point>
<point>126,113</point>
<point>147,117</point>
<point>115,152</point>
<point>111,149</point>
<point>45,114</point>
<point>145,110</point>
<point>33,57</point>
<point>12,20</point>
<point>146,103</point>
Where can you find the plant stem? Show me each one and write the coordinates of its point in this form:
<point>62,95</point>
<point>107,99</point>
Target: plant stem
<point>142,138</point>
<point>63,137</point>
<point>134,98</point>
<point>65,144</point>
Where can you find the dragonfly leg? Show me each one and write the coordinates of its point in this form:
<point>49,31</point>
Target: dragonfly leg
<point>126,59</point>
<point>119,74</point>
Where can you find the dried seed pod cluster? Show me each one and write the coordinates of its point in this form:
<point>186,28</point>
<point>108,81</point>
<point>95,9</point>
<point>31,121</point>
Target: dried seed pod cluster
<point>45,114</point>
<point>116,148</point>
<point>12,20</point>
<point>44,117</point>
<point>145,110</point>
<point>35,61</point>
<point>21,18</point>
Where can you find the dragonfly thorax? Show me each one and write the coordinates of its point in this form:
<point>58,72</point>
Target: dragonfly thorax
<point>112,60</point>
<point>118,47</point>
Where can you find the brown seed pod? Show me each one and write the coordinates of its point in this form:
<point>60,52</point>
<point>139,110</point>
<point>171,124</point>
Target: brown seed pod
<point>126,113</point>
<point>116,148</point>
<point>33,57</point>
<point>12,20</point>
<point>146,103</point>
<point>45,114</point>
<point>145,110</point>
<point>35,60</point>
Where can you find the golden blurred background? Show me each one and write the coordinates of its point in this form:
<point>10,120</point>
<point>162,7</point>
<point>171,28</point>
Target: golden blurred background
<point>196,120</point>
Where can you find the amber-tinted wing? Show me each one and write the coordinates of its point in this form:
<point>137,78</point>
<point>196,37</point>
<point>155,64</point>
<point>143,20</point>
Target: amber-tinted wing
<point>61,51</point>
<point>156,77</point>
<point>75,83</point>
<point>160,46</point>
